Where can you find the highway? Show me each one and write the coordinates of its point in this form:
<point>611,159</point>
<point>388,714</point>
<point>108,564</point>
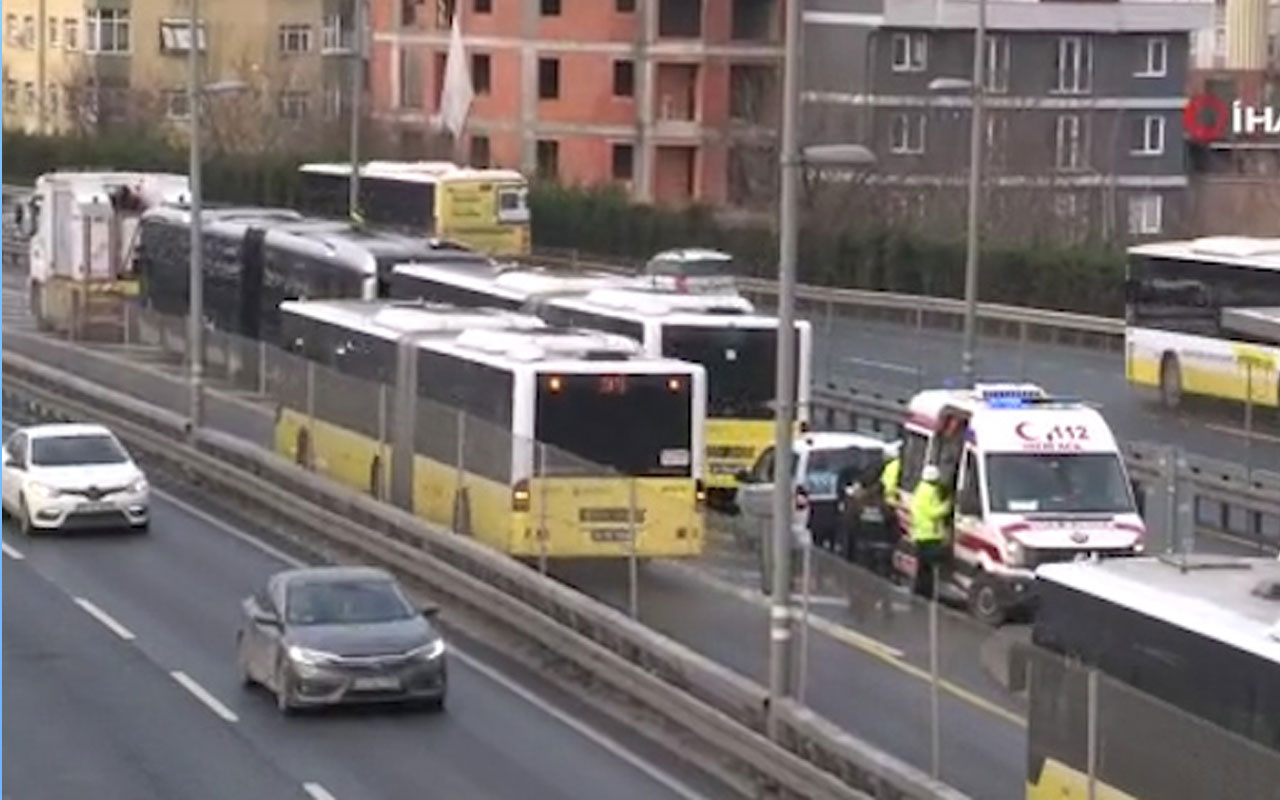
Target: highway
<point>121,682</point>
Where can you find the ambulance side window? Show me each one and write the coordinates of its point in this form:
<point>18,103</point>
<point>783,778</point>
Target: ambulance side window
<point>914,448</point>
<point>969,499</point>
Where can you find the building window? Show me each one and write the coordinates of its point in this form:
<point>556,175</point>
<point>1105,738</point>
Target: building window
<point>28,32</point>
<point>624,79</point>
<point>550,8</point>
<point>295,38</point>
<point>998,60</point>
<point>1069,142</point>
<point>71,31</point>
<point>624,6</point>
<point>910,52</point>
<point>29,96</point>
<point>624,161</point>
<point>175,104</point>
<point>548,78</point>
<point>1148,136</point>
<point>54,33</point>
<point>908,134</point>
<point>482,7</point>
<point>1155,58</point>
<point>1146,213</point>
<point>52,98</point>
<point>480,76</point>
<point>12,34</point>
<point>292,105</point>
<point>106,31</point>
<point>997,138</point>
<point>10,94</point>
<point>332,39</point>
<point>480,156</point>
<point>175,36</point>
<point>1074,65</point>
<point>332,102</point>
<point>548,155</point>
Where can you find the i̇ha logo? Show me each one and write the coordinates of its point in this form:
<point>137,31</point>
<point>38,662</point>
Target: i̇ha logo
<point>1209,119</point>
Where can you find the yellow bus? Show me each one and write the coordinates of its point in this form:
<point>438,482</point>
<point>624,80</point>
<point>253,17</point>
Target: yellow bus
<point>573,433</point>
<point>719,330</point>
<point>1202,317</point>
<point>485,209</point>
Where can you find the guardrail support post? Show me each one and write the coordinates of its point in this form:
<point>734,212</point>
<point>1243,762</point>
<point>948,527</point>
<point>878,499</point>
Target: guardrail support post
<point>935,713</point>
<point>1091,754</point>
<point>633,567</point>
<point>1186,500</point>
<point>404,425</point>
<point>541,473</point>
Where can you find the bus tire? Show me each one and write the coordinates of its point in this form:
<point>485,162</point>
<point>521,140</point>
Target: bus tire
<point>985,602</point>
<point>462,513</point>
<point>377,482</point>
<point>1170,382</point>
<point>302,449</point>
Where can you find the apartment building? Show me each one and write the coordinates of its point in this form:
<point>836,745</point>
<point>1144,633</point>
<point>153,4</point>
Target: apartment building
<point>1083,101</point>
<point>676,100</point>
<point>69,64</point>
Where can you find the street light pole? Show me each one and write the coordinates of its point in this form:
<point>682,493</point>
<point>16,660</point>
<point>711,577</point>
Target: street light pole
<point>976,135</point>
<point>357,89</point>
<point>195,312</point>
<point>783,498</point>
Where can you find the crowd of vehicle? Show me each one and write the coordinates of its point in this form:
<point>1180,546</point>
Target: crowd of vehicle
<point>617,407</point>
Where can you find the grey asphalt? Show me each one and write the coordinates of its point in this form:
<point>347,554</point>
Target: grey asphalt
<point>83,705</point>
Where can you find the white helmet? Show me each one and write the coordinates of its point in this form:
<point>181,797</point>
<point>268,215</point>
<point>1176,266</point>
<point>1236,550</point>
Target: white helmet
<point>893,449</point>
<point>931,473</point>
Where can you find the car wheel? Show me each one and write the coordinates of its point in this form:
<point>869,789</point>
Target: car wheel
<point>984,602</point>
<point>284,700</point>
<point>1170,382</point>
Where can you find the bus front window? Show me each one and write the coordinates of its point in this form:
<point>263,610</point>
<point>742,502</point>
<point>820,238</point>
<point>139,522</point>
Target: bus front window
<point>513,207</point>
<point>632,424</point>
<point>1058,483</point>
<point>739,363</point>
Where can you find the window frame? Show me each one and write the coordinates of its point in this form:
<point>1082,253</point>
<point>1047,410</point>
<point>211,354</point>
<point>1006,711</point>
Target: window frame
<point>1149,124</point>
<point>902,123</point>
<point>1142,204</point>
<point>1079,67</point>
<point>293,32</point>
<point>1149,69</point>
<point>913,46</point>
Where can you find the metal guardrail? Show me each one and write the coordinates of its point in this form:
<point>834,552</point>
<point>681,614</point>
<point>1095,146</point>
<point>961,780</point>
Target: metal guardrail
<point>1228,500</point>
<point>811,758</point>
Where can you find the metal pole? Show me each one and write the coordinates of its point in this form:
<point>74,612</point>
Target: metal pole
<point>1092,734</point>
<point>195,321</point>
<point>357,89</point>
<point>935,713</point>
<point>806,573</point>
<point>975,196</point>
<point>541,472</point>
<point>633,567</point>
<point>780,609</point>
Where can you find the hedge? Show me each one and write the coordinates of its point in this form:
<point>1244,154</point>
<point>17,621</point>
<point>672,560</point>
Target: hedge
<point>604,223</point>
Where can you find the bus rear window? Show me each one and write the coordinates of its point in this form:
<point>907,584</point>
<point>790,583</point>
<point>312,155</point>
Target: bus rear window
<point>739,363</point>
<point>631,424</point>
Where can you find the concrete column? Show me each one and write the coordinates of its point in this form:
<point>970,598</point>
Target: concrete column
<point>1246,34</point>
<point>529,86</point>
<point>646,76</point>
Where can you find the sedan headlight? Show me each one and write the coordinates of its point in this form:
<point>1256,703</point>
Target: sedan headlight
<point>308,657</point>
<point>42,489</point>
<point>429,652</point>
<point>138,486</point>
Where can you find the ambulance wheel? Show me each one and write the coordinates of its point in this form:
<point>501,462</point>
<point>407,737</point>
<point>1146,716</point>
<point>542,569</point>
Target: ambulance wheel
<point>1170,382</point>
<point>985,603</point>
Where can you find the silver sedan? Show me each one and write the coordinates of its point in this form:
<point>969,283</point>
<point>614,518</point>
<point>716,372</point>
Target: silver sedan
<point>330,635</point>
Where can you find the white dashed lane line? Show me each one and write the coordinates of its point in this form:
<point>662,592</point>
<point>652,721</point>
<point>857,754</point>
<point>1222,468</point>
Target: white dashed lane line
<point>202,694</point>
<point>11,552</point>
<point>317,791</point>
<point>106,619</point>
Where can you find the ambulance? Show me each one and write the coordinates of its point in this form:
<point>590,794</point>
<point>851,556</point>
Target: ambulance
<point>1034,479</point>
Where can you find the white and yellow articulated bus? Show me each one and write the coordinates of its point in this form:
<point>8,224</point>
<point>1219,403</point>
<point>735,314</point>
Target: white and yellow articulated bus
<point>566,431</point>
<point>1202,317</point>
<point>719,330</point>
<point>485,209</point>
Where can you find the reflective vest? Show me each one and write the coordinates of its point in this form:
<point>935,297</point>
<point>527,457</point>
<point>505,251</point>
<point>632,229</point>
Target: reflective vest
<point>889,478</point>
<point>928,513</point>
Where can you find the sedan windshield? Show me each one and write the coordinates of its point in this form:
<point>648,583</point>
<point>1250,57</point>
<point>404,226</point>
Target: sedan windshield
<point>353,602</point>
<point>70,451</point>
<point>1080,483</point>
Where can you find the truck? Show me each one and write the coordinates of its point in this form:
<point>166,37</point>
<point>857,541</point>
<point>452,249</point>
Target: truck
<point>82,231</point>
<point>1035,479</point>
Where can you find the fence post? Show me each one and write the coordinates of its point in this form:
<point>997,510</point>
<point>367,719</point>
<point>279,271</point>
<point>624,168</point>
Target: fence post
<point>1022,350</point>
<point>381,478</point>
<point>806,577</point>
<point>262,367</point>
<point>404,421</point>
<point>461,503</point>
<point>633,567</point>
<point>935,714</point>
<point>1092,733</point>
<point>1168,474</point>
<point>1186,499</point>
<point>311,414</point>
<point>541,474</point>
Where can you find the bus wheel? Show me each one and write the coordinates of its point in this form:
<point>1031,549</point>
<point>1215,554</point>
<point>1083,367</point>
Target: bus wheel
<point>302,448</point>
<point>1170,382</point>
<point>376,479</point>
<point>461,513</point>
<point>984,601</point>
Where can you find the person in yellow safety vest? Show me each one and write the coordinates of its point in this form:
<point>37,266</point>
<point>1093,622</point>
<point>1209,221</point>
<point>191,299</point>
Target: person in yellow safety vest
<point>930,512</point>
<point>889,479</point>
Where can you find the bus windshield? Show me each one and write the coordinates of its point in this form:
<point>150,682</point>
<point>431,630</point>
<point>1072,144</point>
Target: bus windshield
<point>739,363</point>
<point>635,424</point>
<point>1057,483</point>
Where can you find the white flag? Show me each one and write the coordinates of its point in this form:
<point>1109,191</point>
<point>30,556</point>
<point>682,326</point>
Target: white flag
<point>457,93</point>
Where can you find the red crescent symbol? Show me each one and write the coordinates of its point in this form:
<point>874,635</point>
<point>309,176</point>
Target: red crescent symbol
<point>1022,434</point>
<point>1205,118</point>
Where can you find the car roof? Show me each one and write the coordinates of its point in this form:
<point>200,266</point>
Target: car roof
<point>839,440</point>
<point>65,429</point>
<point>333,575</point>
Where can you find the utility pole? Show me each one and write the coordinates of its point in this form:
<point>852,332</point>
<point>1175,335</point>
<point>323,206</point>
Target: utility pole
<point>357,89</point>
<point>195,316</point>
<point>976,137</point>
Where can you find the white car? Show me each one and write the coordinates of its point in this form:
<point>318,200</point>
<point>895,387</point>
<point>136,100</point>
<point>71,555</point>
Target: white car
<point>72,477</point>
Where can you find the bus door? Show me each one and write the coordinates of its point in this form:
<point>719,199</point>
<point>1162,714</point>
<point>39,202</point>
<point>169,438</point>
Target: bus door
<point>252,255</point>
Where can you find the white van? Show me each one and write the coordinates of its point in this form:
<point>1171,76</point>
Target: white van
<point>1035,479</point>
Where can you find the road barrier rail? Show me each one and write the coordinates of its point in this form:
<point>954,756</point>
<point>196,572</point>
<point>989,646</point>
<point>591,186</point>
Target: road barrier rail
<point>722,710</point>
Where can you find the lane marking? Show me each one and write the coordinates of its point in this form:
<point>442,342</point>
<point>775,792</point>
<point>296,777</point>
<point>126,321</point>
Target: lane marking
<point>603,740</point>
<point>11,552</point>
<point>317,791</point>
<point>1240,433</point>
<point>106,619</point>
<point>597,737</point>
<point>200,693</point>
<point>891,366</point>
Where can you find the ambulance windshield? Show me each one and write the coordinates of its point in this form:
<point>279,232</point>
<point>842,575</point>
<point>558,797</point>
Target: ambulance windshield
<point>1058,483</point>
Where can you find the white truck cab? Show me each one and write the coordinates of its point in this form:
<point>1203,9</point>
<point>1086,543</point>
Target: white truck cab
<point>81,228</point>
<point>1034,479</point>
